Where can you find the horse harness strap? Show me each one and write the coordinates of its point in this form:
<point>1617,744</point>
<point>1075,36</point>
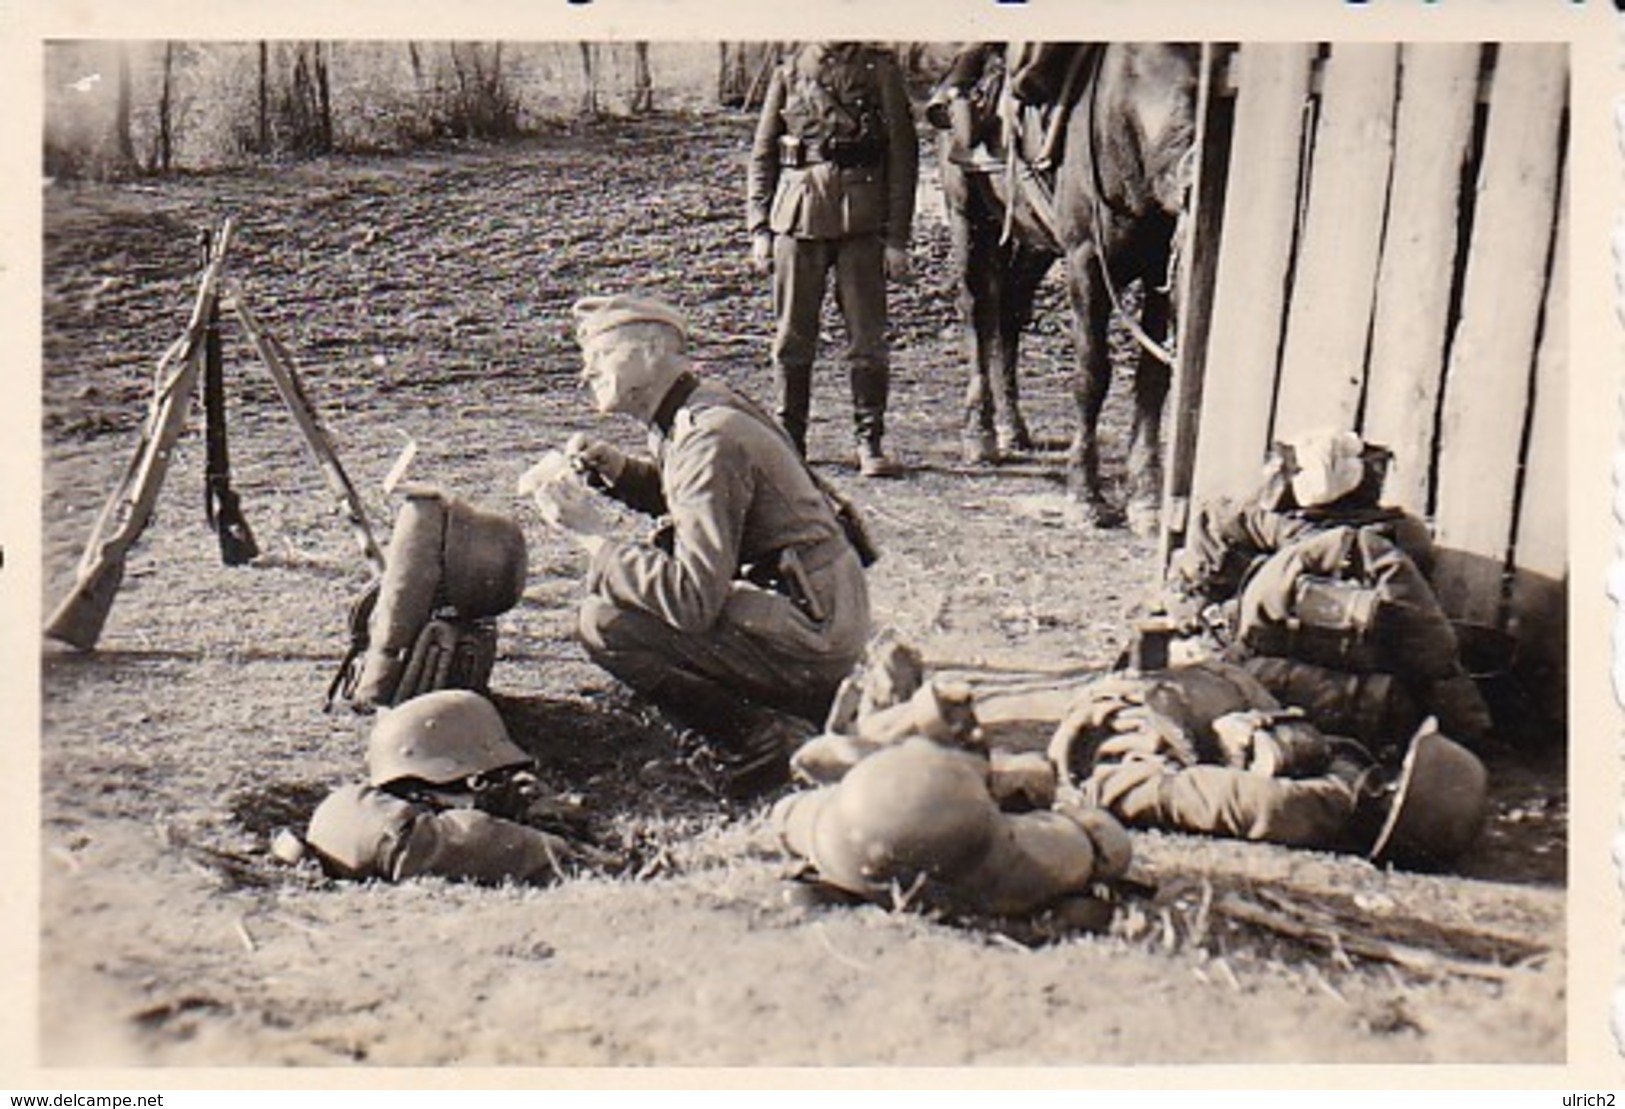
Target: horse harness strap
<point>1025,175</point>
<point>1039,192</point>
<point>1098,202</point>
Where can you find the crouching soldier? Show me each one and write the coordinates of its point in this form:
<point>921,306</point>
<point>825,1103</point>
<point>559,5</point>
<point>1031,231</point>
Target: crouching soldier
<point>915,822</point>
<point>1205,748</point>
<point>747,608</point>
<point>446,795</point>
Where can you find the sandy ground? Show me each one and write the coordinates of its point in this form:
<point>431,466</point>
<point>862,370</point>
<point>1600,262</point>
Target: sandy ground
<point>425,297</point>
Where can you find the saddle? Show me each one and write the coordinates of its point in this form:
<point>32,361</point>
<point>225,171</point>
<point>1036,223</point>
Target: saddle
<point>1020,139</point>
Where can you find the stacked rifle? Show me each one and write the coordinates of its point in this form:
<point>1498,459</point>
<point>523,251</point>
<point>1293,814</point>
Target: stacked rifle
<point>197,355</point>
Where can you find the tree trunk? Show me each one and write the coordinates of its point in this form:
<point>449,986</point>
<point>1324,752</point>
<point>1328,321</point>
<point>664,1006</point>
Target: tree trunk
<point>324,100</point>
<point>727,73</point>
<point>589,98</point>
<point>124,144</point>
<point>464,116</point>
<point>265,100</point>
<point>643,89</point>
<point>165,132</point>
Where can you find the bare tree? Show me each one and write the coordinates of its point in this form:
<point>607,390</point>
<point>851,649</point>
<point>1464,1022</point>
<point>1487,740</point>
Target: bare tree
<point>485,107</point>
<point>643,88</point>
<point>124,145</point>
<point>324,96</point>
<point>307,107</point>
<point>264,142</point>
<point>589,70</point>
<point>743,73</point>
<point>166,130</point>
<point>417,65</point>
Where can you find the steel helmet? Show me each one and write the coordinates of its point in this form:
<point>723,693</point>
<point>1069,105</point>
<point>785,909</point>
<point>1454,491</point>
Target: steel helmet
<point>439,738</point>
<point>912,809</point>
<point>1439,806</point>
<point>485,560</point>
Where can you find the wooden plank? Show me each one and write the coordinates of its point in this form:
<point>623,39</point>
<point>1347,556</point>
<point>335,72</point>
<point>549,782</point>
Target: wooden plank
<point>1539,601</point>
<point>1486,386</point>
<point>1433,134</point>
<point>1323,364</point>
<point>1200,250</point>
<point>1260,215</point>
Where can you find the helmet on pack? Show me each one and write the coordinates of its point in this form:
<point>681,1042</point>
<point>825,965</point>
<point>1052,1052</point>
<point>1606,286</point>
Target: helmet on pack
<point>911,809</point>
<point>485,561</point>
<point>440,737</point>
<point>1439,806</point>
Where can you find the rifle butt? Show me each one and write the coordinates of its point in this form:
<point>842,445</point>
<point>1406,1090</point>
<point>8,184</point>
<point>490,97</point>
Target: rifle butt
<point>237,544</point>
<point>79,619</point>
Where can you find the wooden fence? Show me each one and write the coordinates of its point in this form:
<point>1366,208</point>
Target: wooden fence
<point>1379,243</point>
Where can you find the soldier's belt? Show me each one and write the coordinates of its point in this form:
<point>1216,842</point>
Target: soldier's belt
<point>787,572</point>
<point>798,153</point>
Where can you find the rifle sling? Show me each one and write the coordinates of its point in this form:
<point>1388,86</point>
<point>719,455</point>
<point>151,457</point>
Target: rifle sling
<point>221,504</point>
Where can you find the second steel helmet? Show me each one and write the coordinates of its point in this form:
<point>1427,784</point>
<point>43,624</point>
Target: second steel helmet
<point>484,555</point>
<point>911,809</point>
<point>439,738</point>
<point>1439,806</point>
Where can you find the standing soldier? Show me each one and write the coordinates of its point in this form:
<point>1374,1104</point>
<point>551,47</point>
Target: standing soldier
<point>831,186</point>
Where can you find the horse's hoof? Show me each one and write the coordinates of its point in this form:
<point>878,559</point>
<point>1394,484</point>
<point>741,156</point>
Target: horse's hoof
<point>1015,440</point>
<point>979,450</point>
<point>1094,512</point>
<point>1143,520</point>
<point>1104,516</point>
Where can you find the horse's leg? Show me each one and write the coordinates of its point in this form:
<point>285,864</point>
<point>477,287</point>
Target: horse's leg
<point>1151,379</point>
<point>1090,313</point>
<point>976,262</point>
<point>1025,269</point>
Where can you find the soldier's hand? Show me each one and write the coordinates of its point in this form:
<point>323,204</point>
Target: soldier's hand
<point>761,253</point>
<point>562,498</point>
<point>897,263</point>
<point>595,458</point>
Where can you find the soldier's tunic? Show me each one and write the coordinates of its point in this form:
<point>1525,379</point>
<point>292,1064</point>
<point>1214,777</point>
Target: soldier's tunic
<point>833,172</point>
<point>737,496</point>
<point>1145,784</point>
<point>1250,559</point>
<point>1145,749</point>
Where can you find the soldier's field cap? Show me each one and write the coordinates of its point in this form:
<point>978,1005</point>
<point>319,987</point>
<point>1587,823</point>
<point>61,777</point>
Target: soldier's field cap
<point>595,315</point>
<point>1329,465</point>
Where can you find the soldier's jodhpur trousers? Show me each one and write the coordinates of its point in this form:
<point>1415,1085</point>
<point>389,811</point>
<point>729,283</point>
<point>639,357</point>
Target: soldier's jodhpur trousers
<point>1157,792</point>
<point>801,269</point>
<point>762,646</point>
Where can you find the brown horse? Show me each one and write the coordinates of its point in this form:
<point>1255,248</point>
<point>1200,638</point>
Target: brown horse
<point>1112,205</point>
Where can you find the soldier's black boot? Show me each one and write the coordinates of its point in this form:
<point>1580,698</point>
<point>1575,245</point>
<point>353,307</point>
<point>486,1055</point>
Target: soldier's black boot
<point>875,462</point>
<point>750,743</point>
